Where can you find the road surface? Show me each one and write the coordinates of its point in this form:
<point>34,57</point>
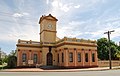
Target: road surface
<point>82,73</point>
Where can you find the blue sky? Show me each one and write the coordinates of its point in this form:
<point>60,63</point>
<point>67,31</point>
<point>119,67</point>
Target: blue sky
<point>87,19</point>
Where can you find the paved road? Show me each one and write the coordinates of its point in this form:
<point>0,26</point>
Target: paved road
<point>83,73</point>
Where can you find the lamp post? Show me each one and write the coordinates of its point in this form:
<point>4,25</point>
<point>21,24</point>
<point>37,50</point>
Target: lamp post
<point>109,32</point>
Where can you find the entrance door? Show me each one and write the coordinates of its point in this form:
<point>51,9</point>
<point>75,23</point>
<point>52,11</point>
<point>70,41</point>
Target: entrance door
<point>49,59</point>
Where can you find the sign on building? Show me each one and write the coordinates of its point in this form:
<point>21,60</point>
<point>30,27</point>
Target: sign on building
<point>30,61</point>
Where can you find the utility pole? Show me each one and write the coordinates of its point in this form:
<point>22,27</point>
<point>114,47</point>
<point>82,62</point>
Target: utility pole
<point>109,32</point>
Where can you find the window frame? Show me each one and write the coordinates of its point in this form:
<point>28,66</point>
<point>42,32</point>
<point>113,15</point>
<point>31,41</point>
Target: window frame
<point>79,57</point>
<point>70,57</point>
<point>86,57</point>
<point>35,58</point>
<point>93,57</point>
<point>24,57</point>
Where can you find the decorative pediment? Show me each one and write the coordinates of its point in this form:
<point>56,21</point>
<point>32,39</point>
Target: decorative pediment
<point>49,17</point>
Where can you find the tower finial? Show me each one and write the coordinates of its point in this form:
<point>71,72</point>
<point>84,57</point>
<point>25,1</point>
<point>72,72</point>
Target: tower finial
<point>50,15</point>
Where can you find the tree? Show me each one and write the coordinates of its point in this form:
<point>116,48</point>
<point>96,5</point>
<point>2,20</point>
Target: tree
<point>12,53</point>
<point>103,51</point>
<point>12,61</point>
<point>0,61</point>
<point>5,60</point>
<point>118,54</point>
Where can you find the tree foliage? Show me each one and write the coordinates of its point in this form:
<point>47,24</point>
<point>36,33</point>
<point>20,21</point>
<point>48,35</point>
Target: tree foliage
<point>103,51</point>
<point>0,61</point>
<point>118,54</point>
<point>12,61</point>
<point>5,60</point>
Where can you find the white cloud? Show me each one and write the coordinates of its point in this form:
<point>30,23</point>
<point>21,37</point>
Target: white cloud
<point>76,23</point>
<point>65,7</point>
<point>20,14</point>
<point>25,13</point>
<point>60,8</point>
<point>57,5</point>
<point>93,18</point>
<point>69,29</point>
<point>116,33</point>
<point>47,1</point>
<point>17,15</point>
<point>77,6</point>
<point>97,33</point>
<point>21,33</point>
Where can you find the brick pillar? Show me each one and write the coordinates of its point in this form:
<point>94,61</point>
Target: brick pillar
<point>75,57</point>
<point>18,61</point>
<point>60,58</point>
<point>66,56</point>
<point>96,58</point>
<point>39,57</point>
<point>30,55</point>
<point>90,57</point>
<point>83,57</point>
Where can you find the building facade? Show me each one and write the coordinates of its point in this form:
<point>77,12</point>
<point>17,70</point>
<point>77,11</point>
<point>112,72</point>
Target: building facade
<point>53,51</point>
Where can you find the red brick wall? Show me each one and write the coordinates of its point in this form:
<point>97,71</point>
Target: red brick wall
<point>29,57</point>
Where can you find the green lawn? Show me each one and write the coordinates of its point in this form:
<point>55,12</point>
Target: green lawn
<point>0,65</point>
<point>3,66</point>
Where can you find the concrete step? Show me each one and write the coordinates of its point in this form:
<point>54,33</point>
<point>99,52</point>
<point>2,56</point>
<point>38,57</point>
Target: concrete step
<point>49,67</point>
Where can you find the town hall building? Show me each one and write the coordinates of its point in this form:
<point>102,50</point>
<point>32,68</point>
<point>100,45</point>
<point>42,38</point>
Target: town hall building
<point>53,51</point>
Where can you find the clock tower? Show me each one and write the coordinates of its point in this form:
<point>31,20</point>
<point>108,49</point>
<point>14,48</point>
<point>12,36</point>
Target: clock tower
<point>48,29</point>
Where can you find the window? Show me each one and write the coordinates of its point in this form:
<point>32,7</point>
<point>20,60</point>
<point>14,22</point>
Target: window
<point>86,57</point>
<point>79,57</point>
<point>35,58</point>
<point>70,57</point>
<point>93,57</point>
<point>58,58</point>
<point>24,57</point>
<point>78,40</point>
<point>62,57</point>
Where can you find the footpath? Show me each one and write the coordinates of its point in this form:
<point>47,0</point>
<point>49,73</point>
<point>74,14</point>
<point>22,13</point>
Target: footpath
<point>57,70</point>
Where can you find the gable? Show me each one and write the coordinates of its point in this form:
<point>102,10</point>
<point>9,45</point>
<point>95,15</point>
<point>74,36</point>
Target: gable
<point>49,17</point>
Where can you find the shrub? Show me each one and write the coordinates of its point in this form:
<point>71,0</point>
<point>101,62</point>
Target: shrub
<point>12,61</point>
<point>0,61</point>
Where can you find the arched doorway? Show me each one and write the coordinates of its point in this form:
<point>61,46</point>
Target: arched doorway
<point>49,59</point>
